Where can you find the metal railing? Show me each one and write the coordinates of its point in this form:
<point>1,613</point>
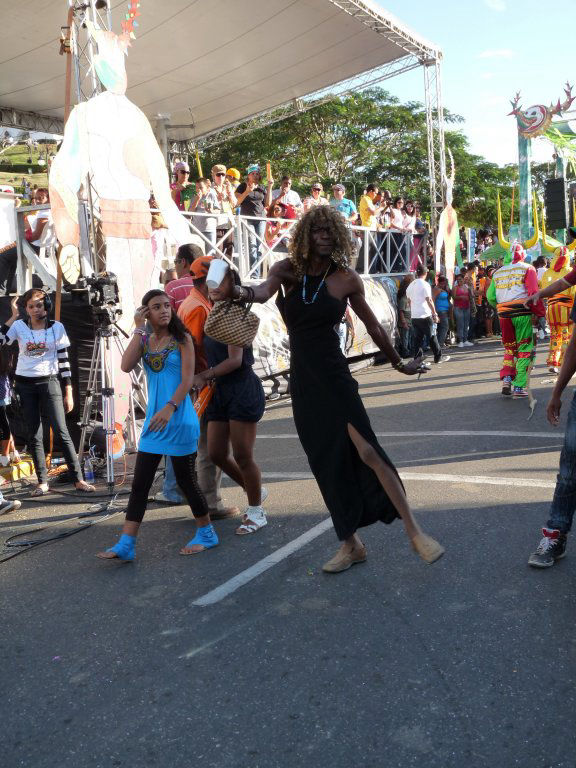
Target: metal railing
<point>388,252</point>
<point>241,241</point>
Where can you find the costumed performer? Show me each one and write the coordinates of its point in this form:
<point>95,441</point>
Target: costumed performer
<point>358,482</point>
<point>511,285</point>
<point>558,310</point>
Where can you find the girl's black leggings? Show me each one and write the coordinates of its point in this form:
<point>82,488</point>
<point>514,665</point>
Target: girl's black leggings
<point>144,471</point>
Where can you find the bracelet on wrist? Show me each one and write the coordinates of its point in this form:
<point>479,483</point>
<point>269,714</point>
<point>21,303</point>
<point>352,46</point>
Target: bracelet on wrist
<point>139,332</point>
<point>173,404</point>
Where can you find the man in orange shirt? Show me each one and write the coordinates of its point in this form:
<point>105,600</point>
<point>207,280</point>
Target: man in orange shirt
<point>193,312</point>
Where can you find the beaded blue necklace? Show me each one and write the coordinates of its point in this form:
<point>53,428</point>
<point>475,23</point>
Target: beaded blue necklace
<point>313,299</point>
<point>156,360</point>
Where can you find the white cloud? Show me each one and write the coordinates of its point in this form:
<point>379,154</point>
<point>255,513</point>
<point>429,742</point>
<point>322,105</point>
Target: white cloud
<point>496,5</point>
<point>492,101</point>
<point>496,53</point>
<point>487,75</point>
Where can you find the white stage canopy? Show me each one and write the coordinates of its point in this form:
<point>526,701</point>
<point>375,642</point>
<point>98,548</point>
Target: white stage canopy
<point>209,63</point>
<point>205,70</point>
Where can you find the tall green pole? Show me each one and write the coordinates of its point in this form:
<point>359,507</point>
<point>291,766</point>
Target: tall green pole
<point>525,186</point>
<point>560,173</point>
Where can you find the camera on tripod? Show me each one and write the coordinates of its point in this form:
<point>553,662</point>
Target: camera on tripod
<point>103,297</point>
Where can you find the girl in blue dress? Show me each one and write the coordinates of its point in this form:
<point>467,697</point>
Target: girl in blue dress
<point>171,426</point>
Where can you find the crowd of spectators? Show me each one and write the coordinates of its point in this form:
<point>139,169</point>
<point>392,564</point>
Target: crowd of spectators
<point>462,310</point>
<point>270,212</point>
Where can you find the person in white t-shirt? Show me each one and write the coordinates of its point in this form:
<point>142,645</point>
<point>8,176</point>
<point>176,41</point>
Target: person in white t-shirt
<point>41,219</point>
<point>287,195</point>
<point>424,314</point>
<point>42,364</point>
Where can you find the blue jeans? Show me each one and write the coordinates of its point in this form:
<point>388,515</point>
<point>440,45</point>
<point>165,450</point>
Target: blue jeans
<point>442,330</point>
<point>255,227</point>
<point>406,341</point>
<point>462,317</point>
<point>564,501</point>
<point>170,489</point>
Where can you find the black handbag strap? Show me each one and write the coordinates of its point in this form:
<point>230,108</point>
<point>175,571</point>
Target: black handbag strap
<point>247,307</point>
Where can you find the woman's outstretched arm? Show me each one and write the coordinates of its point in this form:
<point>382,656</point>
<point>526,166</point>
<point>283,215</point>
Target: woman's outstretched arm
<point>377,332</point>
<point>281,272</point>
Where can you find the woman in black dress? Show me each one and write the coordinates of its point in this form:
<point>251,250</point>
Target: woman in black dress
<point>357,480</point>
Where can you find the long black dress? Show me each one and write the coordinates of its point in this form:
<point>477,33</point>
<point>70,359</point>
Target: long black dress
<point>325,400</point>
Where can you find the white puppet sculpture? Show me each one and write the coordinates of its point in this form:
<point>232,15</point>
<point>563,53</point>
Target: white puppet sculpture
<point>448,233</point>
<point>110,140</point>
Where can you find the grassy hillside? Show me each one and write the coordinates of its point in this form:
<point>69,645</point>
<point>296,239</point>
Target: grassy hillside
<point>19,154</point>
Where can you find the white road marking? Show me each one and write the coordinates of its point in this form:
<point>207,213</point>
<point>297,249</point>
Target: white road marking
<point>442,433</point>
<point>517,482</point>
<point>215,595</point>
<point>243,578</point>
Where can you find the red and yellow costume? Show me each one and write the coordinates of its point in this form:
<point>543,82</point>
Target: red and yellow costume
<point>511,285</point>
<point>559,307</point>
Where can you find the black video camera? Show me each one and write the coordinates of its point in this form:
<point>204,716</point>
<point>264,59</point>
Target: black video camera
<point>103,296</point>
<point>103,289</point>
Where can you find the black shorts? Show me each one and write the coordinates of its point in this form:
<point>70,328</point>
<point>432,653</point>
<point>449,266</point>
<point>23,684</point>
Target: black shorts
<point>240,399</point>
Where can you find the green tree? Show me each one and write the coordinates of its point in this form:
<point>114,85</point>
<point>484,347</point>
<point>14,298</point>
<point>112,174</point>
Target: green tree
<point>369,136</point>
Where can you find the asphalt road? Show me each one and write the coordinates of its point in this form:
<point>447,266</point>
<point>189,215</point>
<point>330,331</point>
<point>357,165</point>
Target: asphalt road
<point>395,663</point>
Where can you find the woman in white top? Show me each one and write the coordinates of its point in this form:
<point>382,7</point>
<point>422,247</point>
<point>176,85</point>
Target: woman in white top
<point>42,365</point>
<point>315,198</point>
<point>41,219</point>
<point>409,219</point>
<point>397,214</point>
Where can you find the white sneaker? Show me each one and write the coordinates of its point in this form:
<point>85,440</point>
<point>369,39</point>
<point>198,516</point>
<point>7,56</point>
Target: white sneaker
<point>160,498</point>
<point>461,344</point>
<point>9,505</point>
<point>468,344</point>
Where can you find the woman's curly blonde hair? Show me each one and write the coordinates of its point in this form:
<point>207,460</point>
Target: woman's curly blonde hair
<point>301,244</point>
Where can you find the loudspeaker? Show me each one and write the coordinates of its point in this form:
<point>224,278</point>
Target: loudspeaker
<point>555,202</point>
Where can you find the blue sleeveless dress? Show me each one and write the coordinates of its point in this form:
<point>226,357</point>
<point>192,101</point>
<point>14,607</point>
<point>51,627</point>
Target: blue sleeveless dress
<point>180,436</point>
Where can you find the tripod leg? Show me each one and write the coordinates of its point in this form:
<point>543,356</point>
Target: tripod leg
<point>89,399</point>
<point>108,417</point>
<point>138,384</point>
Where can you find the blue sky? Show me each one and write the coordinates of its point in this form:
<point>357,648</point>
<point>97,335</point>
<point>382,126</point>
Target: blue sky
<point>493,48</point>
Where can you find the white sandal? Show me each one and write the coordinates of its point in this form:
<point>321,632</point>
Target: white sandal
<point>252,521</point>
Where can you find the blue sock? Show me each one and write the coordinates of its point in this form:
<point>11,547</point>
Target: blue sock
<point>205,537</point>
<point>124,549</point>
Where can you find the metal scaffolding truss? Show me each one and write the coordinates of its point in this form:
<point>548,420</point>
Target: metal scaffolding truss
<point>30,121</point>
<point>83,47</point>
<point>435,133</point>
<point>83,51</point>
<point>385,27</point>
<point>297,106</point>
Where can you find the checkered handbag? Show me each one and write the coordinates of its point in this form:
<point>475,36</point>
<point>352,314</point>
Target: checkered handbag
<point>232,323</point>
